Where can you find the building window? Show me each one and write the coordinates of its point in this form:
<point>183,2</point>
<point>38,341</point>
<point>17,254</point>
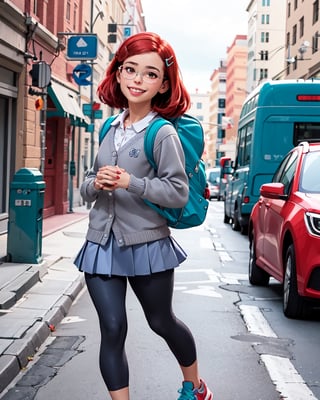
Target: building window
<point>75,12</point>
<point>264,55</point>
<point>221,103</point>
<point>265,37</point>
<point>301,27</point>
<point>294,34</point>
<point>199,106</point>
<point>295,4</point>
<point>35,7</point>
<point>265,3</point>
<point>289,9</point>
<point>263,73</point>
<point>68,11</point>
<point>265,19</point>
<point>315,43</point>
<point>315,15</point>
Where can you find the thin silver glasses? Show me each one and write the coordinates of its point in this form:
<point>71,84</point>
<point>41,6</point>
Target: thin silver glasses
<point>147,76</point>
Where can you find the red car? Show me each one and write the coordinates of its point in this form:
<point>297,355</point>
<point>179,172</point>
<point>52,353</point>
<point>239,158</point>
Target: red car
<point>284,231</point>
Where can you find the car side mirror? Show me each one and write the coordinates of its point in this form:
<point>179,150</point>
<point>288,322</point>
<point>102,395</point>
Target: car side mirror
<point>273,191</point>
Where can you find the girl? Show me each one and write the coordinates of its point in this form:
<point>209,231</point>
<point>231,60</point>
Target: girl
<point>127,241</point>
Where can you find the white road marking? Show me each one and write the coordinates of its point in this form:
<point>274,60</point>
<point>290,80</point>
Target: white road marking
<point>255,321</point>
<point>224,256</point>
<point>204,291</point>
<point>233,278</point>
<point>204,287</point>
<point>282,372</point>
<point>286,378</point>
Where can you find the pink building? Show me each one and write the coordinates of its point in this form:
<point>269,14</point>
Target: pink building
<point>236,76</point>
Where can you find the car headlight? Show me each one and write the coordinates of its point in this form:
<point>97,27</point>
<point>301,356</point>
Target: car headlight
<point>312,221</point>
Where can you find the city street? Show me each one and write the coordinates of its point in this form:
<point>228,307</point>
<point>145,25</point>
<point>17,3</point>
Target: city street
<point>247,348</point>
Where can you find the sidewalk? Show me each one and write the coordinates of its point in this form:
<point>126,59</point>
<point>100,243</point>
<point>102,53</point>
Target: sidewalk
<point>34,298</point>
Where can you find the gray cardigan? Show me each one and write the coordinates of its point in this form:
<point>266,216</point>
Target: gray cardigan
<point>123,211</point>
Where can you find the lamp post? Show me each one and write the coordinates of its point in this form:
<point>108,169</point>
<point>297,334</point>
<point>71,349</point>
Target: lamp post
<point>92,22</point>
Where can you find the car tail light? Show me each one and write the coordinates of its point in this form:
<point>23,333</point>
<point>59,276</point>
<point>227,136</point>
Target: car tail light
<point>312,221</point>
<point>308,97</point>
<point>246,199</point>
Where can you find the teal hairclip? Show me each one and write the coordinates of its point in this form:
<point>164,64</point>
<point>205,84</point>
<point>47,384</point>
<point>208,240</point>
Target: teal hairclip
<point>169,61</point>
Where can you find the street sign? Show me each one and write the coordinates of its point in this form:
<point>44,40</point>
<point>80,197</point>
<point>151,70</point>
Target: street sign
<point>80,74</point>
<point>97,114</point>
<point>90,128</point>
<point>127,31</point>
<point>86,108</point>
<point>82,47</point>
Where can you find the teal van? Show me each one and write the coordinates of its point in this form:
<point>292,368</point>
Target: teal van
<point>274,118</point>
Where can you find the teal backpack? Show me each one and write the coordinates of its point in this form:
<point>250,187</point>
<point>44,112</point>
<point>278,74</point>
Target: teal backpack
<point>192,139</point>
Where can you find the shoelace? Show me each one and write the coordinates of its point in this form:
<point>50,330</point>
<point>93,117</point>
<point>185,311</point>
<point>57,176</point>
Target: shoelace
<point>186,394</point>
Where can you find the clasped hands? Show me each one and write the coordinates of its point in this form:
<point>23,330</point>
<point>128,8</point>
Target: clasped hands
<point>111,177</point>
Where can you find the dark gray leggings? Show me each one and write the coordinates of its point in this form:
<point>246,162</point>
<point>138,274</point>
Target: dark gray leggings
<point>154,293</point>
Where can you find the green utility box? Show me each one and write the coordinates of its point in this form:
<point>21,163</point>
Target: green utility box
<point>24,243</point>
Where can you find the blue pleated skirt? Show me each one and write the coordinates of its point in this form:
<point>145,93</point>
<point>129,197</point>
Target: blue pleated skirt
<point>139,259</point>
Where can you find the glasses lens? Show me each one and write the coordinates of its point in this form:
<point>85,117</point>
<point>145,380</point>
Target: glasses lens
<point>150,76</point>
<point>130,73</point>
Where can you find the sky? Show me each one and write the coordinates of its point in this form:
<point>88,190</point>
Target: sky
<point>200,31</point>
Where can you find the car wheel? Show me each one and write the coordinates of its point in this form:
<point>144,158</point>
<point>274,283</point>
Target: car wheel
<point>294,306</point>
<point>244,229</point>
<point>235,220</point>
<point>226,218</point>
<point>257,276</point>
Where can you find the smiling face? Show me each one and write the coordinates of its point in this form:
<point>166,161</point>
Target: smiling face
<point>141,77</point>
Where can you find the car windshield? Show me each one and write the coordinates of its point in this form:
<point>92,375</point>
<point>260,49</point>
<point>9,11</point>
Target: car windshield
<point>310,177</point>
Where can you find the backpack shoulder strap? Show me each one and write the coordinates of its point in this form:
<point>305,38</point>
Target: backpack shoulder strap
<point>105,127</point>
<point>150,137</point>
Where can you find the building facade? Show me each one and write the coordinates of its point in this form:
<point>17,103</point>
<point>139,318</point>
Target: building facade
<point>236,77</point>
<point>215,135</point>
<point>303,38</point>
<point>200,110</point>
<point>266,41</point>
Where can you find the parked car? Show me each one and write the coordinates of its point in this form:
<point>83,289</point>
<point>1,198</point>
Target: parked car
<point>216,183</point>
<point>284,230</point>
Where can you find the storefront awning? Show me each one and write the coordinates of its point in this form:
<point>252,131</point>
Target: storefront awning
<point>66,104</point>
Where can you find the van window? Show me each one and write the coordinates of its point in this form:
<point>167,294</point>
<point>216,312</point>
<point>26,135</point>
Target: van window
<point>306,131</point>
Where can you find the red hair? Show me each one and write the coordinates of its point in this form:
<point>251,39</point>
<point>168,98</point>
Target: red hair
<point>173,103</point>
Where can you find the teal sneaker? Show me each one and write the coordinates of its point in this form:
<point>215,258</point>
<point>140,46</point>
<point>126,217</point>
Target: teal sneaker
<point>187,392</point>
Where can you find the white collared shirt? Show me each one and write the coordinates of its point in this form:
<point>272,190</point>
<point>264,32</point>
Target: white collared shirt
<point>122,134</point>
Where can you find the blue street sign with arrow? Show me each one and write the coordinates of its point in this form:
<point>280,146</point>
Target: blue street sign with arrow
<point>127,31</point>
<point>80,74</point>
<point>82,47</point>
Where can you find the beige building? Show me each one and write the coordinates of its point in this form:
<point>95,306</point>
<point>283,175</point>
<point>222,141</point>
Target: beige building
<point>200,110</point>
<point>303,39</point>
